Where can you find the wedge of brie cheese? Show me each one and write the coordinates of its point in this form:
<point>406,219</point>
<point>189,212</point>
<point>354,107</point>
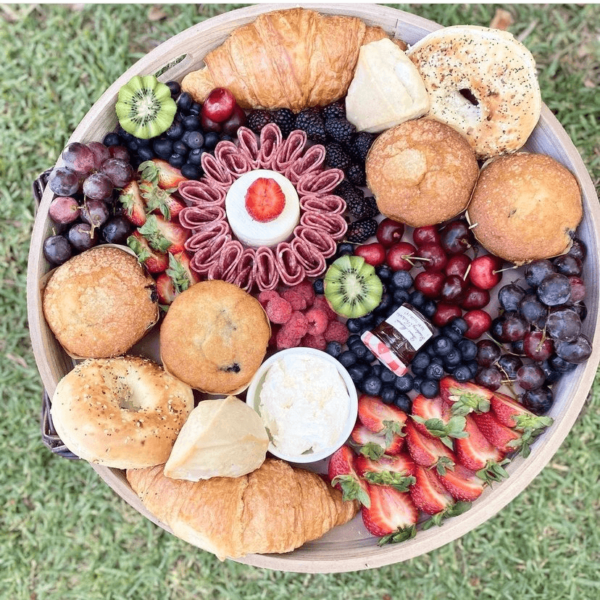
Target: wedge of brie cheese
<point>387,89</point>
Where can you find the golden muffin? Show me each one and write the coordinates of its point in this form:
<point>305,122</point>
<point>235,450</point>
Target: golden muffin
<point>421,172</point>
<point>100,303</point>
<point>525,207</point>
<point>214,337</point>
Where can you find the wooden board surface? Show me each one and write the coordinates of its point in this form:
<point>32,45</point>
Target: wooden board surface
<point>344,548</point>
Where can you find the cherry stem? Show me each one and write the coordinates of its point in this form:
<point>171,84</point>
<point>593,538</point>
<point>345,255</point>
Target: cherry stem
<point>507,269</point>
<point>467,272</point>
<point>473,226</point>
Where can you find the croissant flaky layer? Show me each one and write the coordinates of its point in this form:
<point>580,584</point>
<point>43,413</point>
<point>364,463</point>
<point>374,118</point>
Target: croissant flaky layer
<point>285,59</point>
<point>274,509</point>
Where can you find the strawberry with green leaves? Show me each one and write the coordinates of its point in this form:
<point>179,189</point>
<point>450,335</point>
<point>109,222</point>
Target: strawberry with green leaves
<point>426,408</point>
<point>392,514</point>
<point>373,445</point>
<point>163,235</point>
<point>452,510</point>
<point>177,278</point>
<point>394,471</point>
<point>465,397</point>
<point>131,199</point>
<point>161,201</point>
<point>428,452</point>
<point>155,262</point>
<point>161,173</point>
<point>512,414</point>
<point>462,483</point>
<point>343,476</point>
<point>428,494</point>
<point>381,418</point>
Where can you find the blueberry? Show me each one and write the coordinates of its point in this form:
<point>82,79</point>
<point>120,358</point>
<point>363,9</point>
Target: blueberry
<point>319,286</point>
<point>353,325</point>
<point>451,369</point>
<point>185,137</point>
<point>473,367</point>
<point>125,135</point>
<point>195,109</point>
<point>430,350</point>
<point>436,360</point>
<point>175,131</point>
<point>460,324</point>
<point>417,299</point>
<point>142,143</point>
<point>191,171</point>
<point>360,350</point>
<point>401,296</point>
<point>195,158</point>
<point>434,371</point>
<point>174,87</point>
<point>377,370</point>
<point>185,101</point>
<point>430,388</point>
<point>345,249</point>
<point>358,371</point>
<point>387,376</point>
<point>334,349</point>
<point>452,333</point>
<point>177,160</point>
<point>420,361</point>
<point>467,349</point>
<point>405,383</point>
<point>404,403</point>
<point>429,309</point>
<point>462,373</point>
<point>384,272</point>
<point>379,320</point>
<point>538,401</point>
<point>395,306</point>
<point>226,138</point>
<point>402,280</point>
<point>195,140</point>
<point>353,338</point>
<point>385,304</point>
<point>347,359</point>
<point>111,139</point>
<point>180,148</point>
<point>442,345</point>
<point>145,154</point>
<point>191,123</point>
<point>388,394</point>
<point>211,139</point>
<point>163,148</point>
<point>372,386</point>
<point>133,146</point>
<point>453,358</point>
<point>417,382</point>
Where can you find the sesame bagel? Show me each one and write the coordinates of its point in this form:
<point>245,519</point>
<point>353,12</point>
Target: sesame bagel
<point>121,412</point>
<point>483,83</point>
<point>525,207</point>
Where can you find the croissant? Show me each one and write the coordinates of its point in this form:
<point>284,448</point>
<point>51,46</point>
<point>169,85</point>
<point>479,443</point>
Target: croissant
<point>276,508</point>
<point>285,59</point>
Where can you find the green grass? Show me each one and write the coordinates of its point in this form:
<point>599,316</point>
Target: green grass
<point>65,536</point>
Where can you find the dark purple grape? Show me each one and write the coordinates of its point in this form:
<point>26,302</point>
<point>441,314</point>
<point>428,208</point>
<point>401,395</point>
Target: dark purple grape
<point>79,158</point>
<point>561,365</point>
<point>118,171</point>
<point>568,265</point>
<point>510,365</point>
<point>578,250</point>
<point>518,347</point>
<point>496,328</point>
<point>121,153</point>
<point>537,271</point>
<point>514,328</point>
<point>510,296</point>
<point>552,376</point>
<point>82,236</point>
<point>487,353</point>
<point>537,346</point>
<point>64,182</point>
<point>456,237</point>
<point>581,309</point>
<point>490,378</point>
<point>63,210</point>
<point>575,352</point>
<point>117,230</point>
<point>538,401</point>
<point>57,250</point>
<point>563,325</point>
<point>554,290</point>
<point>530,377</point>
<point>531,309</point>
<point>98,187</point>
<point>94,212</point>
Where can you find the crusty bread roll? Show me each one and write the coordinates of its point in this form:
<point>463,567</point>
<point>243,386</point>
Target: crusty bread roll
<point>525,207</point>
<point>121,412</point>
<point>290,58</point>
<point>465,64</point>
<point>100,303</point>
<point>214,337</point>
<point>276,508</point>
<point>421,172</point>
<point>221,438</point>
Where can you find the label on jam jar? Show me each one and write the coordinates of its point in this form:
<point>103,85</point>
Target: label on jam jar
<point>411,326</point>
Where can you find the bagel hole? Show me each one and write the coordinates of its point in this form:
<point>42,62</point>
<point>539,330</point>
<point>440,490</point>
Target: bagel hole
<point>131,399</point>
<point>468,95</point>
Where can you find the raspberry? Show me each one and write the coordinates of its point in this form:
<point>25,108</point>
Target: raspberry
<point>284,340</point>
<point>297,300</point>
<point>317,321</point>
<point>314,341</point>
<point>323,305</point>
<point>306,290</point>
<point>278,310</point>
<point>266,296</point>
<point>336,332</point>
<point>296,327</point>
<point>274,331</point>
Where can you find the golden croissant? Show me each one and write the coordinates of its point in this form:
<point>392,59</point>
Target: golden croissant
<point>276,508</point>
<point>286,59</point>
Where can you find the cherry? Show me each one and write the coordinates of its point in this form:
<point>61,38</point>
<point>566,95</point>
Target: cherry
<point>458,265</point>
<point>434,257</point>
<point>400,257</point>
<point>456,237</point>
<point>374,254</point>
<point>428,234</point>
<point>537,346</point>
<point>219,105</point>
<point>479,322</point>
<point>453,290</point>
<point>235,121</point>
<point>577,288</point>
<point>430,283</point>
<point>389,232</point>
<point>445,313</point>
<point>484,272</point>
<point>475,298</point>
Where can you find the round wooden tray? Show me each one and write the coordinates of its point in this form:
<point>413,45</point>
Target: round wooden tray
<point>346,548</point>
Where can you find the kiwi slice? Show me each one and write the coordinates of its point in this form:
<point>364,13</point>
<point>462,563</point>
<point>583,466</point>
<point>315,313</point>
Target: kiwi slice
<point>145,107</point>
<point>352,287</point>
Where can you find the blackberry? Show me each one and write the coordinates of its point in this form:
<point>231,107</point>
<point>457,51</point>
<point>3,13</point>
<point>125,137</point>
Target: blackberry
<point>350,193</point>
<point>356,174</point>
<point>310,121</point>
<point>363,209</point>
<point>335,110</point>
<point>340,130</point>
<point>335,157</point>
<point>361,145</point>
<point>361,231</point>
<point>257,119</point>
<point>285,119</point>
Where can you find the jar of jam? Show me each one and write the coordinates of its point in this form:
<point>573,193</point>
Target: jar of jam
<point>396,340</point>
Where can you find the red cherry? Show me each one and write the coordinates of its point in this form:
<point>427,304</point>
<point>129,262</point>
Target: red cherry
<point>235,121</point>
<point>445,313</point>
<point>537,346</point>
<point>453,290</point>
<point>434,257</point>
<point>484,271</point>
<point>577,288</point>
<point>428,234</point>
<point>456,237</point>
<point>209,125</point>
<point>401,256</point>
<point>475,298</point>
<point>374,254</point>
<point>219,105</point>
<point>458,265</point>
<point>478,321</point>
<point>389,232</point>
<point>430,283</point>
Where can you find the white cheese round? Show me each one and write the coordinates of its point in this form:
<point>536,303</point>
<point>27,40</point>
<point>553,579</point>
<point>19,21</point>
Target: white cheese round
<point>254,233</point>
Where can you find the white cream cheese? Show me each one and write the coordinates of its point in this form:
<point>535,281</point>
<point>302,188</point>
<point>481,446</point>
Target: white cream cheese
<point>304,404</point>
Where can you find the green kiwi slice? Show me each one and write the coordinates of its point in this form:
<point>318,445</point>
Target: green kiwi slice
<point>145,107</point>
<point>352,287</point>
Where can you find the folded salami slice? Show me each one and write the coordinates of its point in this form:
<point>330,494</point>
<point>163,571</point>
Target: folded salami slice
<point>246,270</point>
<point>208,237</point>
<point>323,204</point>
<point>206,256</point>
<point>289,267</point>
<point>248,145</point>
<point>270,140</point>
<point>319,238</point>
<point>267,276</point>
<point>215,173</point>
<point>232,159</point>
<point>290,151</point>
<point>319,183</point>
<point>334,225</point>
<point>311,162</point>
<point>200,217</point>
<point>309,257</point>
<point>199,193</point>
<point>225,267</point>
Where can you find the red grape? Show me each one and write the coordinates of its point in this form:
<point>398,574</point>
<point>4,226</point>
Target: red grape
<point>219,105</point>
<point>537,346</point>
<point>98,187</point>
<point>429,283</point>
<point>428,234</point>
<point>79,158</point>
<point>94,212</point>
<point>530,377</point>
<point>118,171</point>
<point>119,152</point>
<point>490,378</point>
<point>64,181</point>
<point>478,321</point>
<point>577,288</point>
<point>514,328</point>
<point>83,236</point>
<point>389,232</point>
<point>63,209</point>
<point>100,152</point>
<point>475,298</point>
<point>401,256</point>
